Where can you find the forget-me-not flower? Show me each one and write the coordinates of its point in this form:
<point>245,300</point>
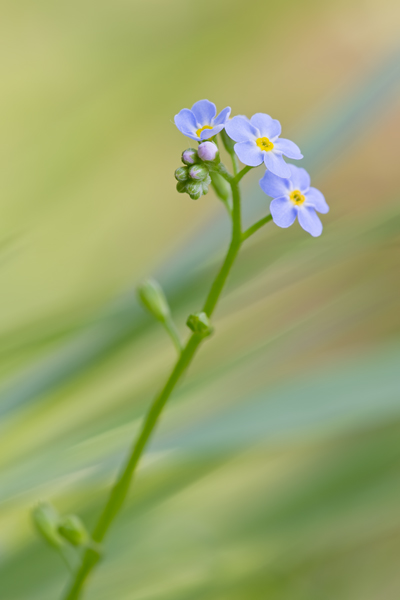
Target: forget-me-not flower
<point>201,122</point>
<point>295,198</point>
<point>258,141</point>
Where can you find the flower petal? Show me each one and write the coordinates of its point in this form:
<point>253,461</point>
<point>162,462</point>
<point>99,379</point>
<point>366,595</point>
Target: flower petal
<point>283,211</point>
<point>204,111</point>
<point>316,199</point>
<point>276,164</point>
<point>249,153</point>
<point>274,186</point>
<point>223,116</point>
<point>267,126</point>
<point>206,134</point>
<point>288,148</point>
<point>299,178</point>
<point>186,122</point>
<point>309,220</point>
<point>241,130</point>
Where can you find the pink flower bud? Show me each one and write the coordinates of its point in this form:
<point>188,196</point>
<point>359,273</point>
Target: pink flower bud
<point>207,151</point>
<point>189,156</point>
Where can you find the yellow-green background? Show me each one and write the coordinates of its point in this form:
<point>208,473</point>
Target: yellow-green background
<point>275,473</point>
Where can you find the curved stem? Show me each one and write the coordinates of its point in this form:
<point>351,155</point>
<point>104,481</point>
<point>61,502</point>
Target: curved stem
<point>234,247</point>
<point>121,487</point>
<point>242,173</point>
<point>246,234</point>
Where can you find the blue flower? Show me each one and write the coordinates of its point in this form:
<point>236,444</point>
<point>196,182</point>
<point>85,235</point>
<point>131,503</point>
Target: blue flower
<point>258,141</point>
<point>201,123</point>
<point>295,198</point>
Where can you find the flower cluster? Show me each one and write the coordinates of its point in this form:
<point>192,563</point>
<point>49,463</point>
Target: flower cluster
<point>258,142</point>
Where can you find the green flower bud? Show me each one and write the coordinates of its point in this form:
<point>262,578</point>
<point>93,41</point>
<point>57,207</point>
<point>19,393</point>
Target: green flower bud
<point>73,530</point>
<point>199,323</point>
<point>194,189</point>
<point>46,519</point>
<point>221,186</point>
<point>205,184</point>
<point>189,156</point>
<point>152,297</point>
<point>198,172</point>
<point>181,187</point>
<point>227,141</point>
<point>182,174</point>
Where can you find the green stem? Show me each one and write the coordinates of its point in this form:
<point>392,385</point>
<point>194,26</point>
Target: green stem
<point>246,234</point>
<point>173,334</point>
<point>222,170</point>
<point>222,190</point>
<point>121,487</point>
<point>235,163</point>
<point>233,250</point>
<point>242,173</point>
<point>64,555</point>
<point>229,147</point>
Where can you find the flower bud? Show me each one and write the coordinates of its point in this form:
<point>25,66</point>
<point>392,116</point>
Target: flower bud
<point>189,156</point>
<point>73,530</point>
<point>194,189</point>
<point>198,172</point>
<point>221,186</point>
<point>152,297</point>
<point>228,142</point>
<point>47,520</point>
<point>208,151</point>
<point>181,174</point>
<point>205,184</point>
<point>181,187</point>
<point>199,323</point>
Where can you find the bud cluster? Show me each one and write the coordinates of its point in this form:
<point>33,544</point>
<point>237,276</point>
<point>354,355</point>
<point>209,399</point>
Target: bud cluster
<point>199,323</point>
<point>57,530</point>
<point>194,178</point>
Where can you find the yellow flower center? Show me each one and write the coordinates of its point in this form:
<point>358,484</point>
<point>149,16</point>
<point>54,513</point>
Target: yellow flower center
<point>297,197</point>
<point>198,132</point>
<point>264,144</point>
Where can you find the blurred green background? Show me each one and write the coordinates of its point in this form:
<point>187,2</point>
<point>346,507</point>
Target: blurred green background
<point>275,473</point>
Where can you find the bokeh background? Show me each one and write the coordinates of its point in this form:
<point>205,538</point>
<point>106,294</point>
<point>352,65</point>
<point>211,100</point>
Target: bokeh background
<point>275,472</point>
